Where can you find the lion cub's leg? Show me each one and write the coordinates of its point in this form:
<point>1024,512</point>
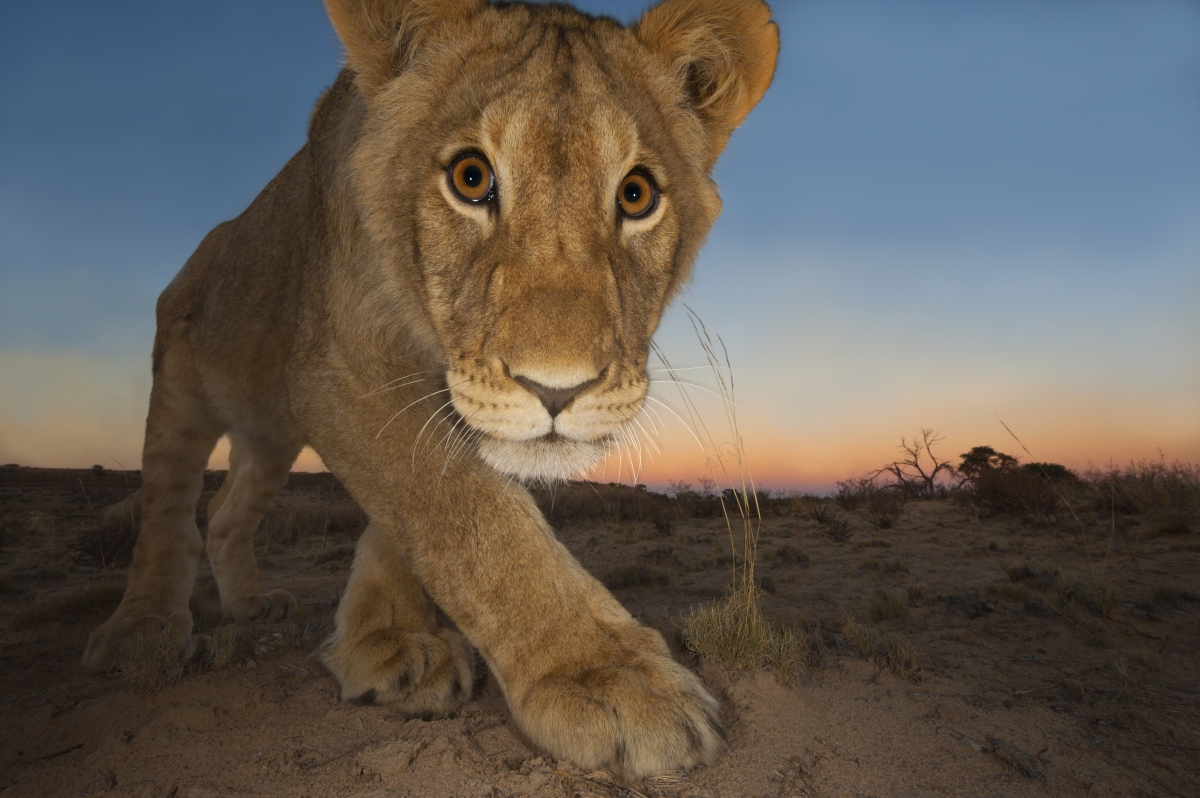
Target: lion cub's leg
<point>386,647</point>
<point>180,435</point>
<point>255,475</point>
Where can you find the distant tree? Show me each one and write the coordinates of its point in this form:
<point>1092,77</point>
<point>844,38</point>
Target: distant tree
<point>1051,471</point>
<point>982,459</point>
<point>918,469</point>
<point>679,488</point>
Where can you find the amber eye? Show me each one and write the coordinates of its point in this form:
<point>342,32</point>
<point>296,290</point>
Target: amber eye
<point>471,178</point>
<point>637,195</point>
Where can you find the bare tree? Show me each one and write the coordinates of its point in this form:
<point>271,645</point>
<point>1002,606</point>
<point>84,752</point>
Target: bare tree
<point>917,471</point>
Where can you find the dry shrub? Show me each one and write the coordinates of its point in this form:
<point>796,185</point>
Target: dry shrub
<point>94,598</point>
<point>883,505</point>
<point>850,493</point>
<point>1018,490</point>
<point>815,508</point>
<point>836,530</point>
<point>635,575</point>
<point>1153,486</point>
<point>888,606</point>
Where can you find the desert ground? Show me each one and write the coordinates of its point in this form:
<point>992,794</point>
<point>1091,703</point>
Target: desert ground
<point>946,651</point>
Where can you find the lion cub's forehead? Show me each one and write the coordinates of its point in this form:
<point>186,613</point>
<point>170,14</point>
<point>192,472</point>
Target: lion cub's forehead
<point>593,139</point>
<point>560,94</point>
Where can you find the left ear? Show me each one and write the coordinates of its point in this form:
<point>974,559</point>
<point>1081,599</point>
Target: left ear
<point>724,53</point>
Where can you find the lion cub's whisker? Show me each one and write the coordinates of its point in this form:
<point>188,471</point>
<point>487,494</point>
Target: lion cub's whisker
<point>416,402</point>
<point>705,388</point>
<point>649,437</point>
<point>689,427</point>
<point>421,432</point>
<point>391,386</point>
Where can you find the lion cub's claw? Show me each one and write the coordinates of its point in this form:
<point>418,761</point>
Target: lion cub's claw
<point>422,675</point>
<point>649,717</point>
<point>274,605</point>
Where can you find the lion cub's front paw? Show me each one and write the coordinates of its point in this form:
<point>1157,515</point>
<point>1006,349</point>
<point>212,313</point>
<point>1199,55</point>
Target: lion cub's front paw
<point>635,719</point>
<point>422,675</point>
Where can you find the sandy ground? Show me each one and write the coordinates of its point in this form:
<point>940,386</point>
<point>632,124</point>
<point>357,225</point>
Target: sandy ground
<point>1014,697</point>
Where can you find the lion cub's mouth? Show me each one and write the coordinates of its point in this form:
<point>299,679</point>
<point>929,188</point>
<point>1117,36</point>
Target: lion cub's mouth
<point>547,459</point>
<point>526,430</point>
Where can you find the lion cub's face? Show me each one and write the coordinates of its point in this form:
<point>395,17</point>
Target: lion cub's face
<point>548,176</point>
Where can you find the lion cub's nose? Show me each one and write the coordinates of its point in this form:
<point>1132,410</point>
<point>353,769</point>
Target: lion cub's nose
<point>554,400</point>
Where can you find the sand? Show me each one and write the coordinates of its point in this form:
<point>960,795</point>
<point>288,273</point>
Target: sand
<point>1017,694</point>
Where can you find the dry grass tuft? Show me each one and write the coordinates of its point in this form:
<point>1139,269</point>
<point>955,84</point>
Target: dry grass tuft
<point>150,660</point>
<point>1009,590</point>
<point>888,606</point>
<point>859,637</point>
<point>881,566</point>
<point>890,648</point>
<point>917,592</point>
<point>227,644</point>
<point>98,597</point>
<point>789,554</point>
<point>1096,595</point>
<point>903,658</point>
<point>735,633</point>
<point>1018,573</point>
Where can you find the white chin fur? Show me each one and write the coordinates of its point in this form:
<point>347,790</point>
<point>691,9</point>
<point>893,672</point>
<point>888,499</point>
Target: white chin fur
<point>542,460</point>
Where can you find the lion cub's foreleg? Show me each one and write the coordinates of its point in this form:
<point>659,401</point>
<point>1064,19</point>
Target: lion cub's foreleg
<point>255,476</point>
<point>180,435</point>
<point>387,647</point>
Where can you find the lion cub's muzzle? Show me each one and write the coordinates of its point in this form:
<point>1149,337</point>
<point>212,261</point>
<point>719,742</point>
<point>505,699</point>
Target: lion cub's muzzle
<point>544,424</point>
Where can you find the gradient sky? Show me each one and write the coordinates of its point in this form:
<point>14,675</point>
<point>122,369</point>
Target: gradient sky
<point>942,214</point>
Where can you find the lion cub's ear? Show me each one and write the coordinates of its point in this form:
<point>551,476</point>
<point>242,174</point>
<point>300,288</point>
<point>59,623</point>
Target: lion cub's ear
<point>724,53</point>
<point>381,36</point>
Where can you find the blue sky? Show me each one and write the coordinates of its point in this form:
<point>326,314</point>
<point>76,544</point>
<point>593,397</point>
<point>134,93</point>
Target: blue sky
<point>942,212</point>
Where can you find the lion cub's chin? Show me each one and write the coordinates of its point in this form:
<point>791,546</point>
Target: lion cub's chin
<point>542,459</point>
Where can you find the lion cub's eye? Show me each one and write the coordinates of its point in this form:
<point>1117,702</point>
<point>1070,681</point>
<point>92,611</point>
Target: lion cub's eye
<point>472,179</point>
<point>637,195</point>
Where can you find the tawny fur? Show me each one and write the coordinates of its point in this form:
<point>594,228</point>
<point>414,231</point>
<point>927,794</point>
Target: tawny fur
<point>360,307</point>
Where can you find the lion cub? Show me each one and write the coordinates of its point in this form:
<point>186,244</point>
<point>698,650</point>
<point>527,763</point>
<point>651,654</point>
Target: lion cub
<point>455,283</point>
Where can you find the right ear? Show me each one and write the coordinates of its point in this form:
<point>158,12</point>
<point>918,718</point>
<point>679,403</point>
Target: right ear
<point>381,36</point>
